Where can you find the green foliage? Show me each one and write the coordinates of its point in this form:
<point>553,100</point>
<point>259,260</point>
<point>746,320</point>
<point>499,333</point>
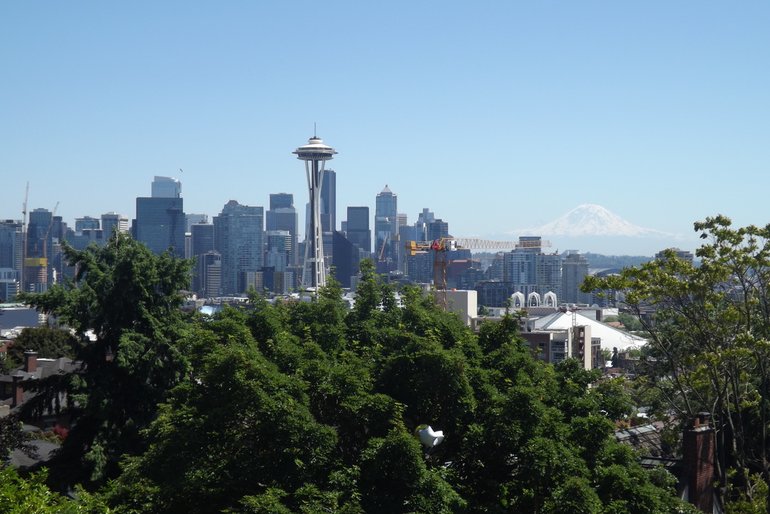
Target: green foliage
<point>48,342</point>
<point>239,419</point>
<point>11,436</point>
<point>751,499</point>
<point>709,338</point>
<point>630,322</point>
<point>129,300</point>
<point>395,478</point>
<point>309,407</point>
<point>574,496</point>
<point>20,495</point>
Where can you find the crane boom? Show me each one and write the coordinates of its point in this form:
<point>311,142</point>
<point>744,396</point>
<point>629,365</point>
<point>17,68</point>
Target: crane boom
<point>23,237</point>
<point>439,247</point>
<point>463,243</point>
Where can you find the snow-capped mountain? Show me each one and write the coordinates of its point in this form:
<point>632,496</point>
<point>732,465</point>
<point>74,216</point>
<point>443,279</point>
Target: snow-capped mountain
<point>592,220</point>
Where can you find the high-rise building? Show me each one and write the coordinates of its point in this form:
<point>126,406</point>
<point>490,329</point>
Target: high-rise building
<point>11,239</point>
<point>11,255</point>
<point>357,228</point>
<point>202,242</point>
<point>437,229</point>
<point>281,201</point>
<point>207,280</point>
<point>86,222</point>
<point>574,269</point>
<point>39,237</point>
<point>160,224</point>
<point>166,187</point>
<point>239,238</point>
<point>80,240</point>
<point>37,272</point>
<point>386,229</point>
<point>530,270</point>
<point>346,259</point>
<point>283,216</point>
<point>9,284</point>
<point>191,219</point>
<point>112,221</point>
<point>549,274</point>
<point>329,201</point>
<point>202,238</point>
<point>278,245</point>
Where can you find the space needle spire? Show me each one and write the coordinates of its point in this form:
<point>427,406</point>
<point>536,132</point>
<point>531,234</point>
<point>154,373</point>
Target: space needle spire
<point>315,154</point>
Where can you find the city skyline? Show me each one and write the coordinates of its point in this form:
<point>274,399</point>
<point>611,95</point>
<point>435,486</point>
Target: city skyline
<point>495,117</point>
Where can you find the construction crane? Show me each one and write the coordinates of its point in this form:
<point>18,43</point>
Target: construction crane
<point>381,255</point>
<point>23,238</point>
<point>441,246</point>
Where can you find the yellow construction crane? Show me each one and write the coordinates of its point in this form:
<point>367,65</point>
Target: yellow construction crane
<point>439,247</point>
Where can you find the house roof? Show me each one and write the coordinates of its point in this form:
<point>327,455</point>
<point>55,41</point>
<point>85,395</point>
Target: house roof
<point>611,337</point>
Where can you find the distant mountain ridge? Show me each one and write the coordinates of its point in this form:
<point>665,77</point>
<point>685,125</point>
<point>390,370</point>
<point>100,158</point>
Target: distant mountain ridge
<point>600,261</point>
<point>592,220</point>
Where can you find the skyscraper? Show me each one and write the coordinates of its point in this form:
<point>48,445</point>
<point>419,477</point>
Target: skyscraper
<point>283,216</point>
<point>166,187</point>
<point>39,237</point>
<point>386,228</point>
<point>191,219</point>
<point>86,222</point>
<point>202,236</point>
<point>112,221</point>
<point>425,217</point>
<point>329,201</point>
<point>207,280</point>
<point>11,239</point>
<point>437,229</point>
<point>346,259</point>
<point>239,238</point>
<point>358,231</point>
<point>160,224</point>
<point>531,271</point>
<point>574,269</point>
<point>11,255</point>
<point>202,243</point>
<point>278,245</point>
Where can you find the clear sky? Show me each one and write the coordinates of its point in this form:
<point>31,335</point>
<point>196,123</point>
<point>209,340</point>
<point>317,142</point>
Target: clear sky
<point>495,115</point>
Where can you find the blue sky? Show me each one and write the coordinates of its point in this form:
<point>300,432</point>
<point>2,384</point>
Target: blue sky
<point>495,115</point>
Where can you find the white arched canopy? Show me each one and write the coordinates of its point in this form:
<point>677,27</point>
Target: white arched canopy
<point>517,300</point>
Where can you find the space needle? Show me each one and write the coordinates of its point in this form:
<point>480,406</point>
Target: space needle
<point>315,154</point>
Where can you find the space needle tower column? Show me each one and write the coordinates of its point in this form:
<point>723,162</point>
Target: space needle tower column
<point>315,154</point>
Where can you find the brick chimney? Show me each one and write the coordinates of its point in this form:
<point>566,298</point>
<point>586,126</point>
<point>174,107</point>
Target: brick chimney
<point>698,462</point>
<point>30,361</point>
<point>18,389</point>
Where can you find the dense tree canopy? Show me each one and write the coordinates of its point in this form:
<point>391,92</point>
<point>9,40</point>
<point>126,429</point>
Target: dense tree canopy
<point>310,407</point>
<point>123,306</point>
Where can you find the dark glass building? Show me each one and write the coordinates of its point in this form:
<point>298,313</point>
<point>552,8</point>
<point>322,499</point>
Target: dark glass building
<point>160,224</point>
<point>358,231</point>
